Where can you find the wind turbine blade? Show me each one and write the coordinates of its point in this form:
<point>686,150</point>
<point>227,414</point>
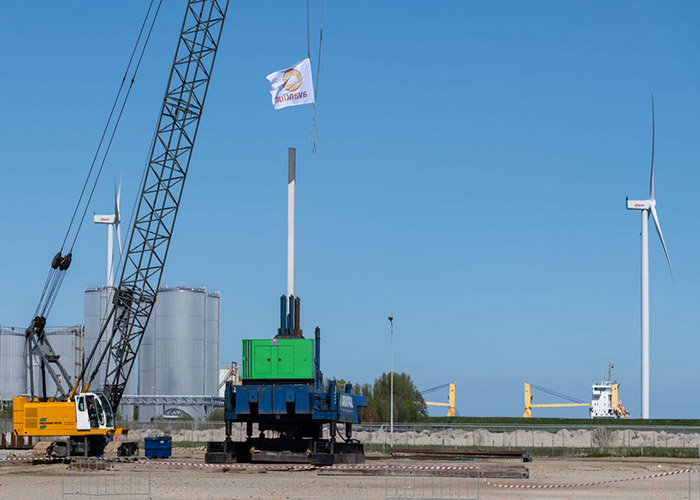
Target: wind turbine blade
<point>661,237</point>
<point>119,239</point>
<point>653,139</point>
<point>117,196</point>
<point>118,217</point>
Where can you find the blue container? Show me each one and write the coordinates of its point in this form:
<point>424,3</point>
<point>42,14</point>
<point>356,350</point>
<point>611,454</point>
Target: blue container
<point>158,447</point>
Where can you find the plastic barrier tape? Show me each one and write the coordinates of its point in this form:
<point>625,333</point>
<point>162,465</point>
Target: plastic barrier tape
<point>369,467</point>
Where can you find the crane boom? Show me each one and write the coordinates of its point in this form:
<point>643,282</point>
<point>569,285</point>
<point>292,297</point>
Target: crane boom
<point>87,418</point>
<point>161,192</point>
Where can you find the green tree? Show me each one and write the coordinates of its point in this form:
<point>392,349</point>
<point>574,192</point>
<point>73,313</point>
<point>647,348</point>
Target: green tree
<point>216,415</point>
<point>409,405</point>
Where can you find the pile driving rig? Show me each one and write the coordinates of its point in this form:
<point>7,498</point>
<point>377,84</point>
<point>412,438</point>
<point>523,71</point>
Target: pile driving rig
<point>282,391</point>
<point>86,418</point>
<point>284,396</point>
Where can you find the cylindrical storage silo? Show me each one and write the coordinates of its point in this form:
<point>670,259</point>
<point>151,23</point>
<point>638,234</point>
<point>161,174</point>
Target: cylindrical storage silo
<point>211,361</point>
<point>13,366</point>
<point>98,302</point>
<point>180,340</point>
<point>68,342</point>
<point>179,355</point>
<point>172,354</point>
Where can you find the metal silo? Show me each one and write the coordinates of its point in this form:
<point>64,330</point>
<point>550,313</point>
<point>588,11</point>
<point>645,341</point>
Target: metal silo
<point>211,360</point>
<point>13,367</point>
<point>69,343</point>
<point>175,341</point>
<point>98,301</point>
<point>179,354</point>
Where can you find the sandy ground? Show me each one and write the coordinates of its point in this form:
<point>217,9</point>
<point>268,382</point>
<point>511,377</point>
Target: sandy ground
<point>25,481</point>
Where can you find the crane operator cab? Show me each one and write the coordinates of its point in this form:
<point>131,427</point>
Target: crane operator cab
<point>93,411</point>
<point>87,421</point>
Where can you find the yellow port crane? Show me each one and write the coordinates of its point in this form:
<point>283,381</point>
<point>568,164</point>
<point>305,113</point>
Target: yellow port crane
<point>529,406</point>
<point>451,398</point>
<point>605,399</point>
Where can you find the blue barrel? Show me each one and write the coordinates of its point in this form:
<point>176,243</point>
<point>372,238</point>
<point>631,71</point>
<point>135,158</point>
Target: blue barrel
<point>158,447</point>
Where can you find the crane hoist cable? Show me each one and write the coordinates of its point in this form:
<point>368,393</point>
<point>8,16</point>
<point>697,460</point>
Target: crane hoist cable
<point>433,389</point>
<point>118,120</point>
<point>557,394</point>
<point>313,132</point>
<point>111,114</point>
<point>36,342</point>
<point>61,262</point>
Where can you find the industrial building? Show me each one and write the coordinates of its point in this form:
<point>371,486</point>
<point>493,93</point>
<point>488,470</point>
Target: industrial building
<point>179,355</point>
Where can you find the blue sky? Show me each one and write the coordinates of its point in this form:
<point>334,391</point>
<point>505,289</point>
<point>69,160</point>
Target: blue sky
<point>470,180</point>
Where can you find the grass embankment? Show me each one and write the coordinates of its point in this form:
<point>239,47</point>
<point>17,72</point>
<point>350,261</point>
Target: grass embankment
<point>558,451</point>
<point>563,422</point>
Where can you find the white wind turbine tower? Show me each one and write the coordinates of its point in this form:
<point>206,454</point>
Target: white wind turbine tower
<point>112,221</point>
<point>647,206</point>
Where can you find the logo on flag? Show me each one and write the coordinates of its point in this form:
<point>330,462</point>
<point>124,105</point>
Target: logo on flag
<point>292,86</point>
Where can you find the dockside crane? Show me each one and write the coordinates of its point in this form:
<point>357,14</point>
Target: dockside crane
<point>87,417</point>
<point>529,405</point>
<point>451,404</point>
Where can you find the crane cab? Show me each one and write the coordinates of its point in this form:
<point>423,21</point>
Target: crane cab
<point>93,411</point>
<point>88,414</point>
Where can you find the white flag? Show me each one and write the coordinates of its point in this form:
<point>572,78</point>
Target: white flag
<point>292,86</point>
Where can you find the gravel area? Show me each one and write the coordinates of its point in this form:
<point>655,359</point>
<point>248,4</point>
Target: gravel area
<point>25,481</point>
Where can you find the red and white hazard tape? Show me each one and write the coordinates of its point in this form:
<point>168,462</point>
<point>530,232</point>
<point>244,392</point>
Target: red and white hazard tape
<point>595,483</point>
<point>235,466</point>
<point>169,463</point>
<point>261,466</point>
<point>400,467</point>
<point>372,467</point>
<point>20,459</point>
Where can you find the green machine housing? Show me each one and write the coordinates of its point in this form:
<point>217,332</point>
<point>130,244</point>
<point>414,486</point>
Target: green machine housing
<point>283,394</point>
<point>288,359</point>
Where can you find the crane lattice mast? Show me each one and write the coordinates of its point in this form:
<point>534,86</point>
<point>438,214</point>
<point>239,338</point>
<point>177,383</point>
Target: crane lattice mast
<point>160,196</point>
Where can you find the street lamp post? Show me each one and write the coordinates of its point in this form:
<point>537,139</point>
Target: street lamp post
<point>391,431</point>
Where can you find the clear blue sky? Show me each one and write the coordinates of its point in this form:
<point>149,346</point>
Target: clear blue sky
<point>470,181</point>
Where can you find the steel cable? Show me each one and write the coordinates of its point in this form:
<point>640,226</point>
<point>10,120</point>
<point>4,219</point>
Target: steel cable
<point>433,389</point>
<point>557,394</point>
<point>106,127</point>
<point>314,126</point>
<point>55,276</point>
<point>114,130</point>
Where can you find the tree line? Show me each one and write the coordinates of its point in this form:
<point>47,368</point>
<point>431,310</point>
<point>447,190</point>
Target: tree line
<point>409,405</point>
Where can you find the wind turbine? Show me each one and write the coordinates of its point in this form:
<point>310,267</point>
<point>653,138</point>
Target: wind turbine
<point>647,206</point>
<point>112,221</point>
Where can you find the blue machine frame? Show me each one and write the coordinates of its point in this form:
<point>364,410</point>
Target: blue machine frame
<point>296,411</point>
<point>294,403</point>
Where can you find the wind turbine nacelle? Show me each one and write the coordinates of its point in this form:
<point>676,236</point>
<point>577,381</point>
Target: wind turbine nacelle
<point>105,219</point>
<point>638,204</point>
